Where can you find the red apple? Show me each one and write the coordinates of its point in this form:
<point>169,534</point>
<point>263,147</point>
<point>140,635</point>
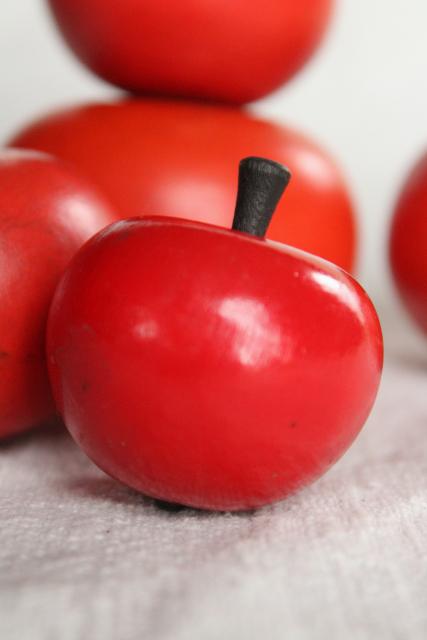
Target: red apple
<point>46,213</point>
<point>408,243</point>
<point>208,367</point>
<point>178,159</point>
<point>233,51</point>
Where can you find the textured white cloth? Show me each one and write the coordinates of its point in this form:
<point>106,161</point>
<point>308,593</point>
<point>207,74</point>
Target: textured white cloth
<point>83,558</point>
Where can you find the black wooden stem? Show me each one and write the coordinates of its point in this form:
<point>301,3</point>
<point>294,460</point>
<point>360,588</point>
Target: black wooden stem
<point>261,184</point>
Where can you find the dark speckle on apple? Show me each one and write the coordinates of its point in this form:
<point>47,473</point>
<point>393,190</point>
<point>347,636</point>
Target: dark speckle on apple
<point>85,386</point>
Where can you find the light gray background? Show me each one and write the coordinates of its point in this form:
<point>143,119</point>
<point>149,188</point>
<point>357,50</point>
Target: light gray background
<point>364,96</point>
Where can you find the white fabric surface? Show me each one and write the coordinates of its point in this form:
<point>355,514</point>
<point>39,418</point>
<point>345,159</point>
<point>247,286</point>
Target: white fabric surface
<point>83,558</point>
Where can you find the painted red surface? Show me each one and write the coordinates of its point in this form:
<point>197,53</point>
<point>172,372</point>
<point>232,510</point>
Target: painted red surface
<point>209,368</point>
<point>46,213</point>
<point>153,157</point>
<point>233,51</point>
<point>408,243</point>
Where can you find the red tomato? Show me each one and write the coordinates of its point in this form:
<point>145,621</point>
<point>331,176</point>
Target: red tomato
<point>46,213</point>
<point>207,367</point>
<point>234,51</point>
<point>179,159</point>
<point>408,243</point>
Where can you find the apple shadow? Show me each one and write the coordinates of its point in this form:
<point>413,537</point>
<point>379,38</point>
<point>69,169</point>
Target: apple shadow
<point>107,489</point>
<point>51,431</point>
<point>104,488</point>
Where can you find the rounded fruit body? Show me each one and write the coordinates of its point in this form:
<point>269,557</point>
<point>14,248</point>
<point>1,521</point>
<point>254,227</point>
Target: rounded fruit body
<point>46,213</point>
<point>223,51</point>
<point>408,244</point>
<point>179,159</point>
<point>208,368</point>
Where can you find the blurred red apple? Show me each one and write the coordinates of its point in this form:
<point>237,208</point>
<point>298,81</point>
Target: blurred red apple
<point>233,51</point>
<point>408,243</point>
<point>46,213</point>
<point>179,159</point>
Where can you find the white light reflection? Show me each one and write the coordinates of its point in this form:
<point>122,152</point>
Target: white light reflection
<point>309,163</point>
<point>77,214</point>
<point>146,330</point>
<point>257,340</point>
<point>339,289</point>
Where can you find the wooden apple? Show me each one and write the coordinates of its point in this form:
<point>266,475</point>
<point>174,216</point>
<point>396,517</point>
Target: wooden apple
<point>178,159</point>
<point>408,243</point>
<point>46,213</point>
<point>224,50</point>
<point>209,367</point>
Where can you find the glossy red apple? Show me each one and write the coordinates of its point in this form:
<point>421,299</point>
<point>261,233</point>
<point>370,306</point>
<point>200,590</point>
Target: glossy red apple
<point>46,213</point>
<point>233,51</point>
<point>408,243</point>
<point>209,367</point>
<point>178,159</point>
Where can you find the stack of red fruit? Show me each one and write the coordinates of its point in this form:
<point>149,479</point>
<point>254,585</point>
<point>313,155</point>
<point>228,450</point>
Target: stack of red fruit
<point>190,357</point>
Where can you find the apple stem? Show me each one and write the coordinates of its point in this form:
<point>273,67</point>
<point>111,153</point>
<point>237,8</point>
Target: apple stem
<point>261,185</point>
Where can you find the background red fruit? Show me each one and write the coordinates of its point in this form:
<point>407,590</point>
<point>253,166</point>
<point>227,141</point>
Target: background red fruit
<point>203,367</point>
<point>408,243</point>
<point>236,51</point>
<point>46,213</point>
<point>179,159</point>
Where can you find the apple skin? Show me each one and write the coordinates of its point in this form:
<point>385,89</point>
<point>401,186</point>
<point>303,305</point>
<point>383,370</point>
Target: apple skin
<point>46,213</point>
<point>408,243</point>
<point>223,51</point>
<point>155,157</point>
<point>208,368</point>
